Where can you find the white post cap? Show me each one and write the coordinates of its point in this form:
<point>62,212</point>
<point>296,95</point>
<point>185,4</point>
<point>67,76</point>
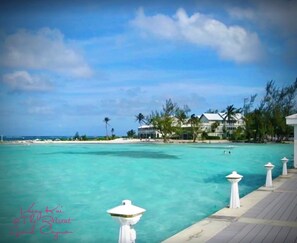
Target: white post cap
<point>126,210</point>
<point>269,165</point>
<point>234,175</point>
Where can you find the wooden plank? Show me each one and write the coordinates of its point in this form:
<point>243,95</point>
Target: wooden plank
<point>261,236</point>
<point>287,198</point>
<point>272,234</point>
<point>292,236</point>
<point>243,233</point>
<point>282,235</point>
<point>290,185</point>
<point>290,209</point>
<point>227,234</point>
<point>293,216</point>
<point>254,234</point>
<point>260,206</point>
<point>270,207</point>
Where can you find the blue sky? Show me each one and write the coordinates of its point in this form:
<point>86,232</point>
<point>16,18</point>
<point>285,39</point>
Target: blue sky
<point>65,65</point>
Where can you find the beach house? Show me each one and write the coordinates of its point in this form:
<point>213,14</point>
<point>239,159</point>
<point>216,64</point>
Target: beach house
<point>217,124</point>
<point>214,124</point>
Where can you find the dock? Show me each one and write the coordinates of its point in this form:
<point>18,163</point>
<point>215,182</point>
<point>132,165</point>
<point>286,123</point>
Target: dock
<point>265,215</point>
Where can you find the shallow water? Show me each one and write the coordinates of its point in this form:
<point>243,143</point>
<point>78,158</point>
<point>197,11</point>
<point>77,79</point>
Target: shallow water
<point>178,185</point>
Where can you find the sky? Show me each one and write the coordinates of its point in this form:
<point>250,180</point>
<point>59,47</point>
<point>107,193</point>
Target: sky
<point>66,65</point>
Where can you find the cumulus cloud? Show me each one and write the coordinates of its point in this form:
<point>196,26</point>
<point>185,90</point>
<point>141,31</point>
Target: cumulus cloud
<point>23,81</point>
<point>231,42</point>
<point>46,50</point>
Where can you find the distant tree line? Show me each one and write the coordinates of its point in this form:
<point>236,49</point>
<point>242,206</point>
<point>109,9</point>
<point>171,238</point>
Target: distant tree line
<point>263,123</point>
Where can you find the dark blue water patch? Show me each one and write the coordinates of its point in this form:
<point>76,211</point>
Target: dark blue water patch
<point>128,154</point>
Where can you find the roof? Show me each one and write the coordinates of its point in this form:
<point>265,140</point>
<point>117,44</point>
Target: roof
<point>213,116</point>
<point>237,116</point>
<point>145,126</point>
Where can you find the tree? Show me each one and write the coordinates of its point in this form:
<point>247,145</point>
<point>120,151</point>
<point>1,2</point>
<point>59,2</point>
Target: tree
<point>131,133</point>
<point>212,111</point>
<point>248,104</point>
<point>214,126</point>
<point>276,105</point>
<point>268,120</point>
<point>195,126</point>
<point>76,136</point>
<point>230,116</point>
<point>163,121</point>
<point>181,116</point>
<point>140,118</point>
<point>106,120</point>
<point>112,132</point>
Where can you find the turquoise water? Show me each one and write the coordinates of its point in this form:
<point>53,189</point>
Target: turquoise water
<point>178,185</point>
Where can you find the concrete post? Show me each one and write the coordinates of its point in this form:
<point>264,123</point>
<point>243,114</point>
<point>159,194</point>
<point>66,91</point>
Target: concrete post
<point>127,215</point>
<point>284,161</point>
<point>292,120</point>
<point>234,178</point>
<point>295,146</point>
<point>269,168</point>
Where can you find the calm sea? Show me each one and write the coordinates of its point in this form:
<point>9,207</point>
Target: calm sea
<point>53,191</point>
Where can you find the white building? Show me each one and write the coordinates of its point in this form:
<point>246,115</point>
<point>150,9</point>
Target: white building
<point>148,131</point>
<point>214,124</point>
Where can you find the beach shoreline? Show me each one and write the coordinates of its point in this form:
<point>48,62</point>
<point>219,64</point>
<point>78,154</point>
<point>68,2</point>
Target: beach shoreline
<point>114,141</point>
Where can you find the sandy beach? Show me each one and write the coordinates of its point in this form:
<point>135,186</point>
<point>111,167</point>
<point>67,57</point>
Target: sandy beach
<point>114,141</point>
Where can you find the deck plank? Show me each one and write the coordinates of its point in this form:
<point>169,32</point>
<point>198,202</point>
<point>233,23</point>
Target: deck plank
<point>282,235</point>
<point>272,234</point>
<point>290,209</point>
<point>286,201</point>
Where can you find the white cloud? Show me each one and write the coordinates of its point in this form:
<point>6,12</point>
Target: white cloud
<point>23,81</point>
<point>46,50</point>
<point>231,42</point>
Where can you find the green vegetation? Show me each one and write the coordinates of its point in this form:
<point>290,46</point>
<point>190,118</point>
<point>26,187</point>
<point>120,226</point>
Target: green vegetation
<point>131,134</point>
<point>140,118</point>
<point>267,122</point>
<point>195,126</point>
<point>106,120</point>
<point>164,120</point>
<point>264,123</point>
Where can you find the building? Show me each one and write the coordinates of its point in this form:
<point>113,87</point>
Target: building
<point>214,124</point>
<point>148,131</point>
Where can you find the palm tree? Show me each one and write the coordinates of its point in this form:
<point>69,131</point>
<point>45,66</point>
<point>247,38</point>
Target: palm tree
<point>140,118</point>
<point>112,131</point>
<point>230,114</point>
<point>106,120</point>
<point>195,126</point>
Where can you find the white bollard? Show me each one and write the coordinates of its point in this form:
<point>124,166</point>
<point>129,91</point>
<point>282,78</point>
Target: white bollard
<point>269,168</point>
<point>234,178</point>
<point>127,215</point>
<point>285,161</point>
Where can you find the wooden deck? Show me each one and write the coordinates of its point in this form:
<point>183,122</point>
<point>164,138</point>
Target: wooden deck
<point>273,219</point>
